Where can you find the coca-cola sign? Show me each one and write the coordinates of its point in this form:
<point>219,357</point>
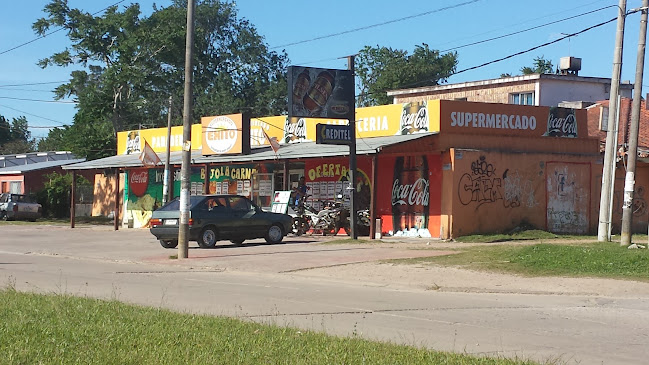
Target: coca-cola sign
<point>414,118</point>
<point>138,181</point>
<point>416,193</point>
<point>562,122</point>
<point>294,130</point>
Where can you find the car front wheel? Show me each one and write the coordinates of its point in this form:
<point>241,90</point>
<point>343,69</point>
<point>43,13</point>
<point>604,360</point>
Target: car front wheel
<point>208,237</point>
<point>169,243</point>
<point>274,234</point>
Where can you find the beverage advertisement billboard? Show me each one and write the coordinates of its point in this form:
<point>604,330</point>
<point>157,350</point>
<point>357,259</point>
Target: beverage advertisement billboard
<point>320,93</point>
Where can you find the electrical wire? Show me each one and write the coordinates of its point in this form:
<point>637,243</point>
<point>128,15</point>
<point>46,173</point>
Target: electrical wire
<point>376,25</point>
<point>34,115</point>
<point>54,31</point>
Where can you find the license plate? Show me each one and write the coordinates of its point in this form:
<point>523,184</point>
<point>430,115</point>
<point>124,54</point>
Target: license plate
<point>171,222</point>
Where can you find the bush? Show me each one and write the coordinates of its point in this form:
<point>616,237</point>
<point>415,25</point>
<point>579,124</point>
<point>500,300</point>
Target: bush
<point>55,195</point>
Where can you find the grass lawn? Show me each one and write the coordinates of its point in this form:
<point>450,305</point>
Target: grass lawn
<point>58,329</point>
<point>599,259</point>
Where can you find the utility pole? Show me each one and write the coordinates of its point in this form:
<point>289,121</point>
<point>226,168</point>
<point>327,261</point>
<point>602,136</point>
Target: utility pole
<point>167,182</point>
<point>352,160</point>
<point>632,153</point>
<point>185,169</point>
<point>608,172</point>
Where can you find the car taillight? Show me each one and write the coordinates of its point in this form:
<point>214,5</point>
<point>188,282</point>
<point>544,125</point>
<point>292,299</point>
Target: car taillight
<point>15,208</point>
<point>191,222</point>
<point>155,222</point>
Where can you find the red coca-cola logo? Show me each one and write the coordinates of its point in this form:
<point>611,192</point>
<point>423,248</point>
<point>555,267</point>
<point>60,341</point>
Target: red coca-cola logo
<point>139,181</point>
<point>411,194</point>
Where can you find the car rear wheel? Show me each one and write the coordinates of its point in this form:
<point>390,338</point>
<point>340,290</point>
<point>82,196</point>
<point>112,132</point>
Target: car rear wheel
<point>274,234</point>
<point>208,237</point>
<point>169,243</point>
<point>3,215</point>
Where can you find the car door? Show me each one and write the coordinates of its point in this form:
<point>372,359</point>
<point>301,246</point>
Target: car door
<point>245,224</point>
<point>214,211</point>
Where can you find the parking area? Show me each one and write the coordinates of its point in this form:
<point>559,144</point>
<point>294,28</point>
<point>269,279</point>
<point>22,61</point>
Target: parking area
<point>138,245</point>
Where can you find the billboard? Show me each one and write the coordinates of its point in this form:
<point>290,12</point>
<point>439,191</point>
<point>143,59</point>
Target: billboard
<point>320,93</point>
<point>226,134</point>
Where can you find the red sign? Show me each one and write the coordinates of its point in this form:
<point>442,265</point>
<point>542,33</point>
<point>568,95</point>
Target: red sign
<point>138,181</point>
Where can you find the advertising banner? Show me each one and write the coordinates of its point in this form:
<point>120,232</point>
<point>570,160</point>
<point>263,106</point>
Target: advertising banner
<point>129,142</point>
<point>333,134</point>
<point>507,119</point>
<point>144,191</point>
<point>320,93</point>
<point>326,178</point>
<point>226,134</point>
<point>409,195</point>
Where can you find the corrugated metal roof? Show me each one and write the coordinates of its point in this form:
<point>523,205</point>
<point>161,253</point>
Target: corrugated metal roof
<point>364,146</point>
<point>20,169</point>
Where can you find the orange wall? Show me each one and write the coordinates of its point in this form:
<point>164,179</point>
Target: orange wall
<point>496,192</point>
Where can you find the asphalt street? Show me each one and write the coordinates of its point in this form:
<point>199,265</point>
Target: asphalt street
<point>260,282</point>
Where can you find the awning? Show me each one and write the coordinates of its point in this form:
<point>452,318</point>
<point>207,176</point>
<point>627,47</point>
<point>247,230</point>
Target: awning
<point>303,150</point>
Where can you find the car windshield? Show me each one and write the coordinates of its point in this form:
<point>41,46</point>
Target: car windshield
<point>175,204</point>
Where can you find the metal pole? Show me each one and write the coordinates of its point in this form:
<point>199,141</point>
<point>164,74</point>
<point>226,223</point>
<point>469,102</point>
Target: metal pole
<point>611,144</point>
<point>185,169</point>
<point>116,220</point>
<point>73,198</point>
<point>166,181</point>
<point>352,160</point>
<point>375,172</point>
<point>632,153</point>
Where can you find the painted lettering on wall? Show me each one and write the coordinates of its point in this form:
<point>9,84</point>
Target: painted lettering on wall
<point>493,121</point>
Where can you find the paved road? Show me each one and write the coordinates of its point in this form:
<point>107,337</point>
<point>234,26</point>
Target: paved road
<point>259,282</point>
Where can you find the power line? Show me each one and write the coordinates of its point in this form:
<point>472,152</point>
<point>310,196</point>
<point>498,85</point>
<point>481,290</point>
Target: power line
<point>504,58</point>
<point>377,24</point>
<point>33,115</point>
<point>34,83</point>
<point>54,31</point>
<point>41,101</point>
<point>527,30</point>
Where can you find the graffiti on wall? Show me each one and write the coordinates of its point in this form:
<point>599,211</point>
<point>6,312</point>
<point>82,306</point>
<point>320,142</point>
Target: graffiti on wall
<point>639,207</point>
<point>568,191</point>
<point>482,185</point>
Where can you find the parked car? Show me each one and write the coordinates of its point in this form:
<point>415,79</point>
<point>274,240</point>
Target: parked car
<point>214,218</point>
<point>19,206</point>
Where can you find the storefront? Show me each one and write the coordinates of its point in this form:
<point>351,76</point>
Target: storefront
<point>441,169</point>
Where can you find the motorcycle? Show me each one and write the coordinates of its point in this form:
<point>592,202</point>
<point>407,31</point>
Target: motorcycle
<point>330,219</point>
<point>362,223</point>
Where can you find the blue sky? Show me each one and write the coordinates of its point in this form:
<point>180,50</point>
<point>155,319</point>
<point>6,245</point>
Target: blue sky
<point>328,31</point>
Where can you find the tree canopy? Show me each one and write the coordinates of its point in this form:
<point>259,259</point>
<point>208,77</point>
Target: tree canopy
<point>540,66</point>
<point>131,64</point>
<point>379,69</point>
<point>15,137</point>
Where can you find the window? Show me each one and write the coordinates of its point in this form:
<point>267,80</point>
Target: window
<point>15,187</point>
<point>522,98</point>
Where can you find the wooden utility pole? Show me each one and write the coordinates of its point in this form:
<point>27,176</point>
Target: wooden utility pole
<point>632,153</point>
<point>185,169</point>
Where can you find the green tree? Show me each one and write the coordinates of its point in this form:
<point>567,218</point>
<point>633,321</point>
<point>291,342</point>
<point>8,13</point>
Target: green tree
<point>55,195</point>
<point>15,137</point>
<point>379,69</point>
<point>540,66</point>
<point>131,64</point>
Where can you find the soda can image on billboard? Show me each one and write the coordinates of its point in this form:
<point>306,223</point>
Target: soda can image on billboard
<point>320,93</point>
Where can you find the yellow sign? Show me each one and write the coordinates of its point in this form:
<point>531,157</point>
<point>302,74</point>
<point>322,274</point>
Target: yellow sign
<point>133,141</point>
